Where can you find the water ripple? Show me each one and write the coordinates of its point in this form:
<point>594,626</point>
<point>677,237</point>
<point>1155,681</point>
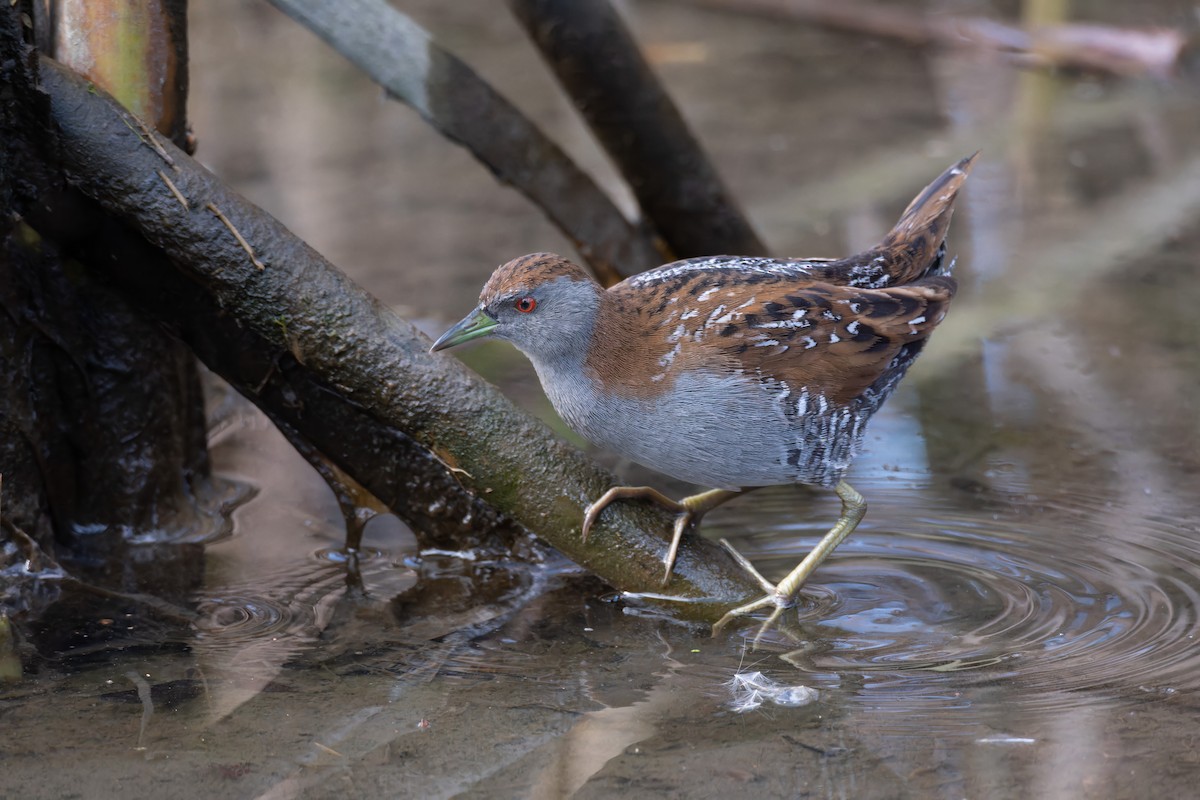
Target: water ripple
<point>1065,601</point>
<point>288,606</point>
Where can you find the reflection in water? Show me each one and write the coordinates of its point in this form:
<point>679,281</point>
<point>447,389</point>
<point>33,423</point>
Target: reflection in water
<point>1015,617</point>
<point>263,605</point>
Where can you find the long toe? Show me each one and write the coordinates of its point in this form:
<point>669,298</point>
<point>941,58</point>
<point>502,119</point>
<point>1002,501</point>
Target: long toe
<point>769,622</point>
<point>592,513</point>
<point>741,611</point>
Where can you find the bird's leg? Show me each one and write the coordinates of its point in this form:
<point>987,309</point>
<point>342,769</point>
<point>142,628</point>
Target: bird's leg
<point>783,594</point>
<point>689,511</point>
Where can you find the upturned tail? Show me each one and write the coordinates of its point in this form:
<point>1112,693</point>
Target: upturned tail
<point>913,249</point>
<point>915,246</point>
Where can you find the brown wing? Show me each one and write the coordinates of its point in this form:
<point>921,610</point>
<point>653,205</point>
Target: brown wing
<point>835,340</point>
<point>833,327</point>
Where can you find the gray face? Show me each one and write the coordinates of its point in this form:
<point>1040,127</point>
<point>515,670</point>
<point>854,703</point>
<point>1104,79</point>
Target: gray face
<point>549,321</point>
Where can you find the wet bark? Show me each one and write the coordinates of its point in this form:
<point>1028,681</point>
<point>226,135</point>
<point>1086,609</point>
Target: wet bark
<point>23,497</point>
<point>104,435</point>
<point>400,56</point>
<point>598,62</point>
<point>102,430</point>
<point>103,413</point>
<point>265,311</point>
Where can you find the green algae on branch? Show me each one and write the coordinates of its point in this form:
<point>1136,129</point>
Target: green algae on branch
<point>383,432</point>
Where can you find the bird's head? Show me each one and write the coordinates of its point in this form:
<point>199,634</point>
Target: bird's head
<point>541,302</point>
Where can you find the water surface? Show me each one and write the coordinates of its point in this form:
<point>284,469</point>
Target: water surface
<point>1015,617</point>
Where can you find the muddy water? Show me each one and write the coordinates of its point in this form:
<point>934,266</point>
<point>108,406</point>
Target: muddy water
<point>1017,615</point>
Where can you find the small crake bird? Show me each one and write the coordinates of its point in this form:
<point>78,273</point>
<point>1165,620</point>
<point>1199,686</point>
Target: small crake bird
<point>727,371</point>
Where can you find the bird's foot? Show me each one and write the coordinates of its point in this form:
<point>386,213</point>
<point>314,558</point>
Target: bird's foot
<point>783,595</point>
<point>774,597</point>
<point>688,513</point>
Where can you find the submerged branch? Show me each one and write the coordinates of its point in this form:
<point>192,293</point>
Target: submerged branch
<point>316,351</point>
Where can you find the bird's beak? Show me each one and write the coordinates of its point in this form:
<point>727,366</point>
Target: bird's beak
<point>477,323</point>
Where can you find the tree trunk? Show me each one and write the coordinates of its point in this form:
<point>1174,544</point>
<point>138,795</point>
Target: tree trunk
<point>102,429</point>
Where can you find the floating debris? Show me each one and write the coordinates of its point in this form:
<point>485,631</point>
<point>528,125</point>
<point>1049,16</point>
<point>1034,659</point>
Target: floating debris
<point>751,689</point>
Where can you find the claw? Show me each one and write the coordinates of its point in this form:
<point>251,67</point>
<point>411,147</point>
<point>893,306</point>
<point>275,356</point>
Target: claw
<point>592,513</point>
<point>682,522</point>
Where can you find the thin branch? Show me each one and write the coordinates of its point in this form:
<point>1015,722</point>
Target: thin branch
<point>402,57</point>
<point>1104,49</point>
<point>598,61</point>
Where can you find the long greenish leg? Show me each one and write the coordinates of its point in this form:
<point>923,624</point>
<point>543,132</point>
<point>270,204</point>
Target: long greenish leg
<point>854,507</point>
<point>783,594</point>
<point>689,511</point>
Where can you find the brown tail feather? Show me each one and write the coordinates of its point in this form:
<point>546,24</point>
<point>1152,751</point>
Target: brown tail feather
<point>915,246</point>
<point>915,240</point>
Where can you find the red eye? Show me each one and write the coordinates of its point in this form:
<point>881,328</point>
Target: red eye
<point>526,305</point>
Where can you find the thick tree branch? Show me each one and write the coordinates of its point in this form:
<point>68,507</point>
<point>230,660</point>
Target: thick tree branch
<point>264,303</point>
